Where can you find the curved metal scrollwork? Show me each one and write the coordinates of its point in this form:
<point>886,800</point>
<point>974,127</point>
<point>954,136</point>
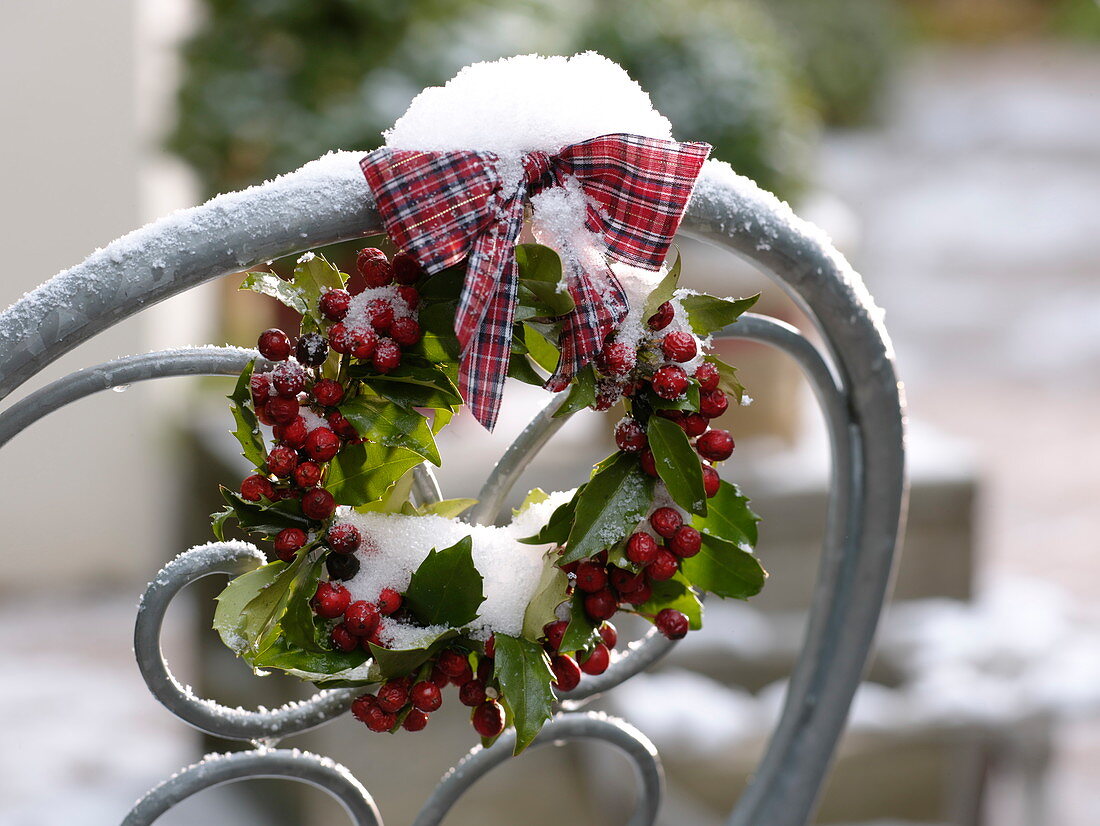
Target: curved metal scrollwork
<point>853,379</point>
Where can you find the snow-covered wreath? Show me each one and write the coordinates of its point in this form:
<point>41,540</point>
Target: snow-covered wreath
<point>368,588</point>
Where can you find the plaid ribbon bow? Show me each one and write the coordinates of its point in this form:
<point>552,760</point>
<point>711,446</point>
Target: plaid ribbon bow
<point>442,207</point>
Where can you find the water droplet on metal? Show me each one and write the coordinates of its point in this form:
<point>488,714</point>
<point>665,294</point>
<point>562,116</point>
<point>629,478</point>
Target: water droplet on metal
<point>122,388</point>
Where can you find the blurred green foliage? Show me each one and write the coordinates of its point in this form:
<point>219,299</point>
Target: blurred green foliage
<point>272,84</point>
<point>1077,19</point>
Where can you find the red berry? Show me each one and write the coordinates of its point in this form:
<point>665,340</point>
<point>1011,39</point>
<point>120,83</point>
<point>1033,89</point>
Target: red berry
<point>670,382</point>
<point>255,488</point>
<point>715,445</point>
<point>601,605</point>
<point>380,313</point>
<point>617,359</point>
<point>415,720</point>
<point>713,404</point>
<point>597,660</point>
<point>282,410</point>
<point>488,719</point>
<point>376,270</point>
<point>362,341</point>
<point>361,618</point>
<point>672,623</point>
<point>330,600</point>
<point>466,675</point>
<point>679,347</point>
<point>282,460</point>
<point>711,481</point>
<point>685,542</point>
<point>452,663</point>
<point>405,331</point>
<point>664,566</point>
<point>630,436</point>
<point>322,444</point>
<point>367,253</point>
<point>694,424</point>
<point>405,269</point>
<point>625,582</point>
<point>289,379</point>
<point>610,634</point>
<point>393,695</point>
<point>607,393</point>
<point>363,704</point>
<point>649,464</point>
<point>641,596</point>
<point>389,601</point>
<point>662,318</point>
<point>339,338</point>
<point>260,387</point>
<point>641,548</point>
<point>334,304</point>
<point>263,416</point>
<point>554,632</point>
<point>490,647</point>
<point>288,542</point>
<point>567,674</point>
<point>387,355</point>
<point>439,677</point>
<point>274,345</point>
<point>708,376</point>
<point>410,296</point>
<point>472,693</point>
<point>328,392</point>
<point>344,538</point>
<point>341,426</point>
<point>378,719</point>
<point>312,349</point>
<point>342,639</point>
<point>666,521</point>
<point>591,577</point>
<point>307,474</point>
<point>484,669</point>
<point>294,433</point>
<point>318,503</point>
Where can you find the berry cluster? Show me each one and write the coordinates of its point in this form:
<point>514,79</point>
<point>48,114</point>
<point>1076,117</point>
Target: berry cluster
<point>368,324</point>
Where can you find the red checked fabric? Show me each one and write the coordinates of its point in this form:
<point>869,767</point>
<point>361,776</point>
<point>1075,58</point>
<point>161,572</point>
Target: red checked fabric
<point>443,207</point>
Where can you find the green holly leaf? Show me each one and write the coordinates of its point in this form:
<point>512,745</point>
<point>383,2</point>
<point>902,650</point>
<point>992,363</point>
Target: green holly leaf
<point>535,496</point>
<point>729,517</point>
<point>446,589</point>
<point>447,508</point>
<point>248,426</point>
<point>540,272</point>
<point>551,592</point>
<point>664,290</point>
<point>259,619</point>
<point>391,425</point>
<point>677,464</point>
<point>542,350</point>
<point>727,378</point>
<point>722,568</point>
<point>675,593</point>
<point>521,369</point>
<point>557,528</point>
<point>708,314</point>
<point>413,385</point>
<point>330,669</point>
<point>582,632</point>
<point>237,594</point>
<point>395,500</point>
<point>299,624</point>
<point>609,507</point>
<point>363,473</point>
<point>523,671</point>
<point>397,662</point>
<point>313,276</point>
<point>582,392</point>
<point>690,401</point>
<point>265,518</point>
<point>269,284</point>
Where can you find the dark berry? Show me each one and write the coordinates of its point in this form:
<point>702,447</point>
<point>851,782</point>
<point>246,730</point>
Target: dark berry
<point>380,313</point>
<point>328,392</point>
<point>361,618</point>
<point>715,445</point>
<point>488,719</point>
<point>342,566</point>
<point>341,426</point>
<point>322,444</point>
<point>361,705</point>
<point>713,404</point>
<point>664,566</point>
<point>554,632</point>
<point>318,503</point>
<point>685,542</point>
<point>679,347</point>
<point>596,661</point>
<point>630,436</point>
<point>471,693</point>
<point>662,318</point>
<point>257,487</point>
<point>666,521</point>
<point>415,720</point>
<point>344,538</point>
<point>452,663</point>
<point>342,639</point>
<point>567,674</point>
<point>334,304</point>
<point>405,331</point>
<point>330,600</point>
<point>282,460</point>
<point>405,269</point>
<point>387,355</point>
<point>389,601</point>
<point>711,481</point>
<point>339,338</point>
<point>393,695</point>
<point>670,382</point>
<point>591,577</point>
<point>282,410</point>
<point>289,379</point>
<point>641,548</point>
<point>672,623</point>
<point>288,542</point>
<point>610,634</point>
<point>410,296</point>
<point>649,464</point>
<point>312,349</point>
<point>274,345</point>
<point>294,433</point>
<point>484,669</point>
<point>601,605</point>
<point>694,424</point>
<point>375,269</point>
<point>307,474</point>
<point>363,341</point>
<point>617,359</point>
<point>708,376</point>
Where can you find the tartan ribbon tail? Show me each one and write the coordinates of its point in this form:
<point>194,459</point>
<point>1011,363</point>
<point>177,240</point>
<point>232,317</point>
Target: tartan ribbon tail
<point>601,305</point>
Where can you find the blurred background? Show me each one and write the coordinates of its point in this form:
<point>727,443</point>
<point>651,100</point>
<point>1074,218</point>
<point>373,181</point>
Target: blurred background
<point>951,148</point>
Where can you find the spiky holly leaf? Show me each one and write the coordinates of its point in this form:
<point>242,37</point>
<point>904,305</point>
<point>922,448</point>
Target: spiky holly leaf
<point>610,505</point>
<point>727,378</point>
<point>447,508</point>
<point>269,284</point>
<point>540,273</point>
<point>677,464</point>
<point>582,392</point>
<point>397,662</point>
<point>418,384</point>
<point>729,517</point>
<point>723,568</point>
<point>363,473</point>
<point>313,276</point>
<point>582,632</point>
<point>392,425</point>
<point>664,290</point>
<point>523,671</point>
<point>551,592</point>
<point>708,314</point>
<point>446,589</point>
<point>247,432</point>
<point>265,518</point>
<point>557,528</point>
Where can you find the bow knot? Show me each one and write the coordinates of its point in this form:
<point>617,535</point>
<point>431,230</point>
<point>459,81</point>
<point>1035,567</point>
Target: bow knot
<point>443,207</point>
